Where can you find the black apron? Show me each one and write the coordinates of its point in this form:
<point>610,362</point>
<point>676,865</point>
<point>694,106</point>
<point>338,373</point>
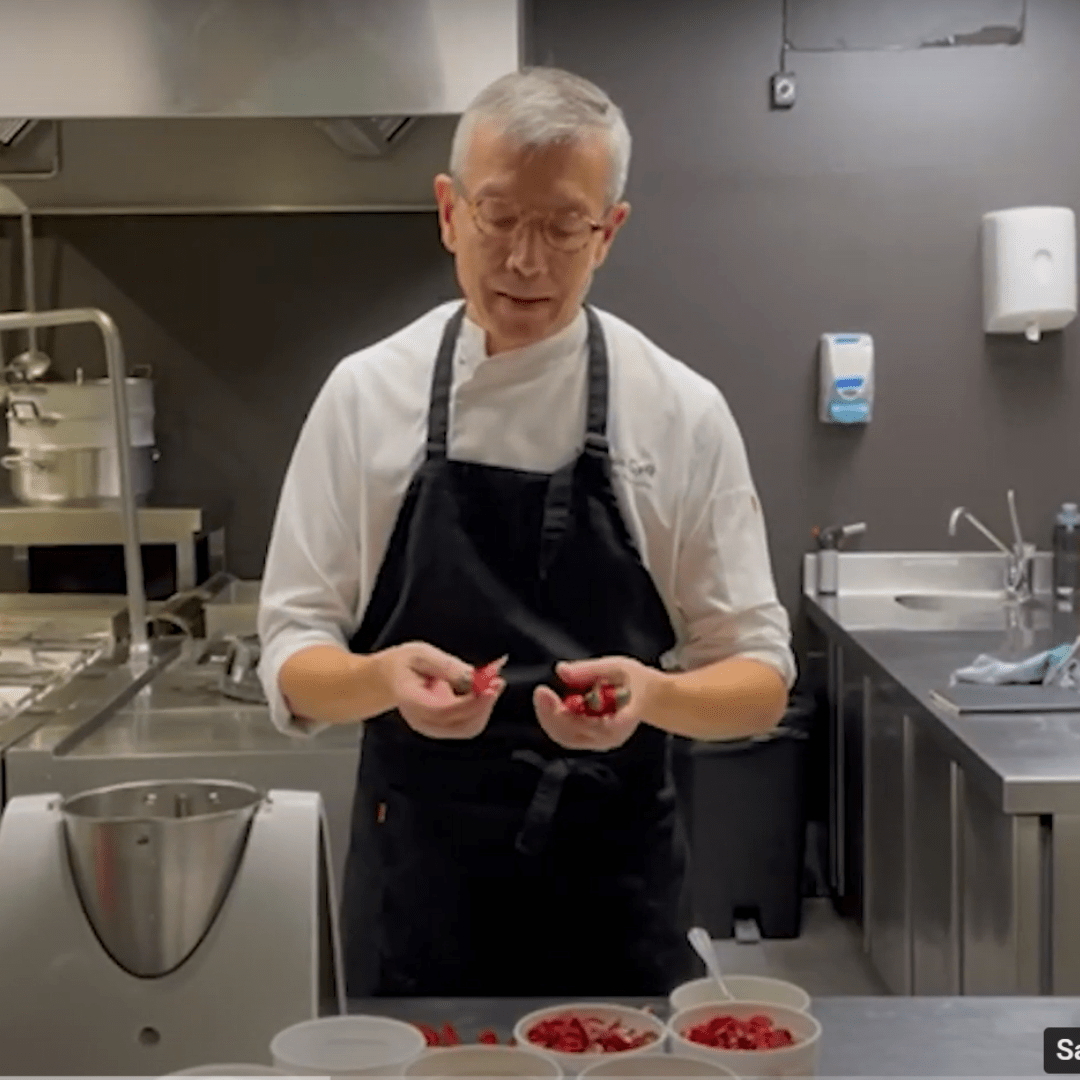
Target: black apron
<point>506,865</point>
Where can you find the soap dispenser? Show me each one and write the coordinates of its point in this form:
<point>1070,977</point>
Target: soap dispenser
<point>846,379</point>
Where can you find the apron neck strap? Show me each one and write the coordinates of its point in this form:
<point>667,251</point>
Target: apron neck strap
<point>441,380</point>
<point>596,412</point>
<point>596,409</point>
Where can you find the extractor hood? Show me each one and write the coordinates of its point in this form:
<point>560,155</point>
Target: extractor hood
<point>260,104</point>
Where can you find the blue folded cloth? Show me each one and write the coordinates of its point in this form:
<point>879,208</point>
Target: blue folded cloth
<point>989,671</point>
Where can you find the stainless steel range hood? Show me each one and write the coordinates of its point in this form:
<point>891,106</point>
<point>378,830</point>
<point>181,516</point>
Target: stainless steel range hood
<point>232,105</point>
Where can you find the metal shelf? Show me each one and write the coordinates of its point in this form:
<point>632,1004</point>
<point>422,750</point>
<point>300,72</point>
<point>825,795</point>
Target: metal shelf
<point>23,527</point>
<point>43,526</point>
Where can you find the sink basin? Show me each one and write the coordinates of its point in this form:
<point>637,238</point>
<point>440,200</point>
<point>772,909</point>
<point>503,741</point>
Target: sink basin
<point>973,610</point>
<point>931,591</point>
<point>961,603</point>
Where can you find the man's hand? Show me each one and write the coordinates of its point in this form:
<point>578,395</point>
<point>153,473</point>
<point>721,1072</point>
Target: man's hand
<point>418,677</point>
<point>577,732</point>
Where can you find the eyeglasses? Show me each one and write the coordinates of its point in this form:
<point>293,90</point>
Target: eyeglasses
<point>563,230</point>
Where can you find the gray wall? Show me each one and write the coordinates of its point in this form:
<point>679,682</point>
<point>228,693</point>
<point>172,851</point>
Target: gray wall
<point>753,232</point>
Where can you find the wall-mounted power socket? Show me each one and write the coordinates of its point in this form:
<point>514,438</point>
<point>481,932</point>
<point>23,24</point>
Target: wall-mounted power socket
<point>783,90</point>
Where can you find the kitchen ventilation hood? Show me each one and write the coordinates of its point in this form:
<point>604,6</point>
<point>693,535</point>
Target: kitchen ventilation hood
<point>114,106</point>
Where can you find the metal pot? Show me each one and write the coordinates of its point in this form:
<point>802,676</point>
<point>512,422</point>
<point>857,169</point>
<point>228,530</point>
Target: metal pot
<point>81,475</point>
<point>44,415</point>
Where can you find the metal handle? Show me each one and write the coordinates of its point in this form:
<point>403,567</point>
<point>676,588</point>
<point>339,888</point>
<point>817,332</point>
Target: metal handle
<point>1018,536</point>
<point>170,618</point>
<point>240,658</point>
<point>11,462</point>
<point>29,276</point>
<point>36,414</point>
<point>139,651</point>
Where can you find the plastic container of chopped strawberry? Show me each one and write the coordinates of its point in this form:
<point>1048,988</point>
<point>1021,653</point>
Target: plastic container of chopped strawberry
<point>578,1033</point>
<point>750,1038</point>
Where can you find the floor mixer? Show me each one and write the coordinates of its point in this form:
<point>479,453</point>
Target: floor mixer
<point>156,926</point>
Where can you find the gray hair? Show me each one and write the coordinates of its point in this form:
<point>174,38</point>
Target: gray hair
<point>542,106</point>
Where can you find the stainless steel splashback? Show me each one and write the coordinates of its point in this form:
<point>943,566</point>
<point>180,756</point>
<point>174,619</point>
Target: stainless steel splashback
<point>65,59</point>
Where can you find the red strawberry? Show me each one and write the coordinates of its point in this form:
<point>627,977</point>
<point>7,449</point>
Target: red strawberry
<point>480,680</point>
<point>431,1036</point>
<point>483,677</point>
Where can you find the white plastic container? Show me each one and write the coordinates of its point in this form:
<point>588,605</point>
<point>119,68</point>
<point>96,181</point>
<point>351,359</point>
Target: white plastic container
<point>1029,270</point>
<point>347,1046</point>
<point>509,1062</point>
<point>632,1019</point>
<point>801,1059</point>
<point>230,1071</point>
<point>655,1067</point>
<point>742,988</point>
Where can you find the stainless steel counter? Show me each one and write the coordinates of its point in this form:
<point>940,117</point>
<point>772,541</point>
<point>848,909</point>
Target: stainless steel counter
<point>861,1036</point>
<point>179,725</point>
<point>1027,763</point>
<point>955,839</point>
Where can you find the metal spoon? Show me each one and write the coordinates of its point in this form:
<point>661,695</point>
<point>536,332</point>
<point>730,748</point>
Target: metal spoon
<point>33,363</point>
<point>703,946</point>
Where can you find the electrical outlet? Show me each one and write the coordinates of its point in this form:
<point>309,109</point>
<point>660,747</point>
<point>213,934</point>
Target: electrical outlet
<point>783,90</point>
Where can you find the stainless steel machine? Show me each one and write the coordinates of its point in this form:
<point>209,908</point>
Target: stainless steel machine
<point>189,719</point>
<point>155,926</point>
<point>162,922</point>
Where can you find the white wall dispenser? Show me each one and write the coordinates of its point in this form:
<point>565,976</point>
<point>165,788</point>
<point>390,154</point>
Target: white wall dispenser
<point>846,378</point>
<point>1029,270</point>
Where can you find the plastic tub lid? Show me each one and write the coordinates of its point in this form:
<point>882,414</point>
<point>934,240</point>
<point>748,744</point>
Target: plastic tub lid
<point>346,1045</point>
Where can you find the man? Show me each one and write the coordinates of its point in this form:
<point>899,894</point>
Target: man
<point>521,476</point>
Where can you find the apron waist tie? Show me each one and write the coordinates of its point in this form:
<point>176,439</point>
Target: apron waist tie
<point>545,801</point>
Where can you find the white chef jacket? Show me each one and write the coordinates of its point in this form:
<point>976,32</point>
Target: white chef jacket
<point>678,460</point>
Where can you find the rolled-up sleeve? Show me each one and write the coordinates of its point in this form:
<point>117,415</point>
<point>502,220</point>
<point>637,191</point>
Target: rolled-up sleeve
<point>724,582</point>
<point>311,583</point>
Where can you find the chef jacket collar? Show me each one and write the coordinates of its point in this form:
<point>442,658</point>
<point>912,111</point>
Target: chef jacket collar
<point>472,350</point>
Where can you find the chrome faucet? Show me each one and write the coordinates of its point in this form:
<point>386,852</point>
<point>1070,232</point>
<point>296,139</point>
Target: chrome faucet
<point>1020,558</point>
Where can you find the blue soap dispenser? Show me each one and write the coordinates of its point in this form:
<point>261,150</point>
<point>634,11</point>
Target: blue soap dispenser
<point>847,378</point>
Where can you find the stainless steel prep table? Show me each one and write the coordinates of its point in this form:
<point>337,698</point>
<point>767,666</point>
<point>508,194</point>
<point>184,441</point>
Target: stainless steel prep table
<point>1029,763</point>
<point>179,726</point>
<point>862,1036</point>
<point>959,834</point>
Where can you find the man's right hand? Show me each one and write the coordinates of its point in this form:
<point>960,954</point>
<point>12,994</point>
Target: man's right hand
<point>418,678</point>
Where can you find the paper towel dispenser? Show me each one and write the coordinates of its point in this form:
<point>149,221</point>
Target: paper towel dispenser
<point>1029,270</point>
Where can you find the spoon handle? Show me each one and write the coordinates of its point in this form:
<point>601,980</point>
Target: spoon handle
<point>703,946</point>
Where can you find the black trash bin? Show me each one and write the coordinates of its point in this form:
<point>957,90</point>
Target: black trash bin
<point>744,805</point>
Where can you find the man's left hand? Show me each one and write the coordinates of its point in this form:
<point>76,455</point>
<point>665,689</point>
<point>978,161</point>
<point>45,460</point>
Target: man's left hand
<point>576,732</point>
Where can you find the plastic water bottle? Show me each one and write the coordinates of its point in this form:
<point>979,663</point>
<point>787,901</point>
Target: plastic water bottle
<point>1067,557</point>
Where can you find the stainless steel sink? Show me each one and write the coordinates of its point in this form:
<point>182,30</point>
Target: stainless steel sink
<point>987,611</point>
<point>961,603</point>
<point>931,590</point>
